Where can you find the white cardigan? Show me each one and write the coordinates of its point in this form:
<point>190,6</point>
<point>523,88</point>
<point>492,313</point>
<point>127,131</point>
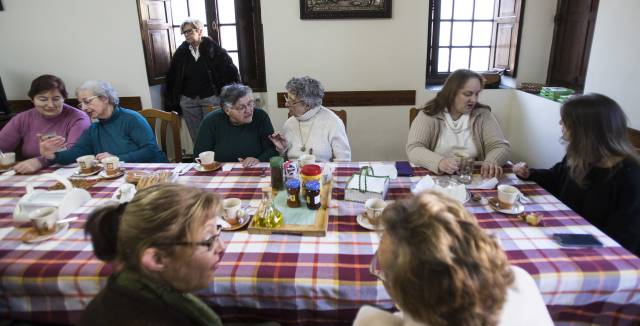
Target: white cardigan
<point>323,132</point>
<point>524,306</point>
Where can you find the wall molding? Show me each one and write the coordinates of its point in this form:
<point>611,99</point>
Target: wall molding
<point>363,98</point>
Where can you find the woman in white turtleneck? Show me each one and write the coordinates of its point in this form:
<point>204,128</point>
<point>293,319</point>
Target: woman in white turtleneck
<point>312,128</point>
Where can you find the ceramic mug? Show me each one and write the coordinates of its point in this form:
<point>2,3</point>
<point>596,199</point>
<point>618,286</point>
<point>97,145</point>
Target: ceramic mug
<point>206,159</point>
<point>111,165</point>
<point>374,207</point>
<point>44,219</point>
<point>306,159</point>
<point>7,160</point>
<point>507,196</point>
<point>87,163</point>
<point>231,207</point>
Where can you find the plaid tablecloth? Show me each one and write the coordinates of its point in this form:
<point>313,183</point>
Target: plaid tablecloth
<point>312,280</point>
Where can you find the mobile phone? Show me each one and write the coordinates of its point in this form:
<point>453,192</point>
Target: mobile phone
<point>577,240</point>
<point>404,169</point>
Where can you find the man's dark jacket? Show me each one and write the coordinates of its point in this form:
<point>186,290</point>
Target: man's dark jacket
<point>220,68</point>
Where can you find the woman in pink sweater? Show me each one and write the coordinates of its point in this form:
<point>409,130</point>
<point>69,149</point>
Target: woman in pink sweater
<point>50,117</point>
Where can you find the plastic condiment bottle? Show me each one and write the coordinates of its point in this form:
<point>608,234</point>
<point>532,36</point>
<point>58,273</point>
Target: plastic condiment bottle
<point>310,172</point>
<point>277,175</point>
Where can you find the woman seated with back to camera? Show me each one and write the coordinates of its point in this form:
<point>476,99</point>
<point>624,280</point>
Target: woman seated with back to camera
<point>441,268</point>
<point>455,121</point>
<point>312,128</point>
<point>238,132</point>
<point>49,117</point>
<point>166,243</point>
<point>599,177</point>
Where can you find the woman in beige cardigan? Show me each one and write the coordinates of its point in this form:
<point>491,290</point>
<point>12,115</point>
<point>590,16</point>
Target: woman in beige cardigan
<point>455,122</point>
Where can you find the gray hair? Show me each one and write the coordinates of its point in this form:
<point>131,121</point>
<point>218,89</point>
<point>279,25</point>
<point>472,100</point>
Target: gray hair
<point>100,88</point>
<point>196,23</point>
<point>307,90</point>
<point>231,93</point>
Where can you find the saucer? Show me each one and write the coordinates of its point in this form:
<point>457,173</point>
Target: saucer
<point>517,208</point>
<point>7,168</point>
<point>363,222</point>
<point>243,218</point>
<point>96,170</point>
<point>216,165</point>
<point>32,236</point>
<point>103,174</point>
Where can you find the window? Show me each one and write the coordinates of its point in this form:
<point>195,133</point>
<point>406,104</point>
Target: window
<point>235,24</point>
<point>480,35</point>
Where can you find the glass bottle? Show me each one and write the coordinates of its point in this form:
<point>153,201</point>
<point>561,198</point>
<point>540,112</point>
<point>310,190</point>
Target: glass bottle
<point>269,216</point>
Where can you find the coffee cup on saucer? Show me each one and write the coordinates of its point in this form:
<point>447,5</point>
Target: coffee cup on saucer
<point>374,207</point>
<point>44,219</point>
<point>231,208</point>
<point>7,160</point>
<point>111,165</point>
<point>87,163</point>
<point>206,160</point>
<point>306,159</point>
<point>507,196</point>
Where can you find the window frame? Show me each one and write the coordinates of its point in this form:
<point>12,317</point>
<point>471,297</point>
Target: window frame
<point>434,77</point>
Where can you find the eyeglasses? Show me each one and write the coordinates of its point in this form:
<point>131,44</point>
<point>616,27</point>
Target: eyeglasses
<point>374,268</point>
<point>86,101</point>
<point>289,102</point>
<point>209,243</point>
<point>243,107</point>
<point>188,31</point>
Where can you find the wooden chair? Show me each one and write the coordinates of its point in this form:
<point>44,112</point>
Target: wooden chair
<point>412,115</point>
<point>342,114</point>
<point>212,108</point>
<point>167,118</point>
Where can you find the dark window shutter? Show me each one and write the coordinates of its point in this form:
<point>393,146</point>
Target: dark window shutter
<point>250,43</point>
<point>506,26</point>
<point>157,37</point>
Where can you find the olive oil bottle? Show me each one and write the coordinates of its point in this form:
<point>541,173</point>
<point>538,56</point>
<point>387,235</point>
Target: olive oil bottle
<point>268,215</point>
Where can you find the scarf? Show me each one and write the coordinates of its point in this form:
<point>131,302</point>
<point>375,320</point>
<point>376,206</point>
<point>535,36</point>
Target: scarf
<point>456,126</point>
<point>186,303</point>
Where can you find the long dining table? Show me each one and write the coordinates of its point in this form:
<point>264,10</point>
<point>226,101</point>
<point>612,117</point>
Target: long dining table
<point>308,280</point>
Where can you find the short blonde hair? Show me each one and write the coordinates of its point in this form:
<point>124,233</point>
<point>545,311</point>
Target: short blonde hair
<point>444,270</point>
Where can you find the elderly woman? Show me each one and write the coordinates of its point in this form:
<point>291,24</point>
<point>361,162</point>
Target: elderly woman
<point>199,69</point>
<point>312,128</point>
<point>49,117</point>
<point>441,268</point>
<point>238,132</point>
<point>453,124</point>
<point>599,177</point>
<point>117,132</point>
<point>166,243</point>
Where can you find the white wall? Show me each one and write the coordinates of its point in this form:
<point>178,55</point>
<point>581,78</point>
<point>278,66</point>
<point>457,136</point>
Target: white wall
<point>614,66</point>
<point>76,40</point>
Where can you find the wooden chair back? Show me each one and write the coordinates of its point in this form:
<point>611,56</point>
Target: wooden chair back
<point>212,108</point>
<point>412,115</point>
<point>342,114</point>
<point>167,119</point>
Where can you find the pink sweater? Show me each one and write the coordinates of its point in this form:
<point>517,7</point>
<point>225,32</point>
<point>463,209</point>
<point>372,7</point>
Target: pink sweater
<point>25,126</point>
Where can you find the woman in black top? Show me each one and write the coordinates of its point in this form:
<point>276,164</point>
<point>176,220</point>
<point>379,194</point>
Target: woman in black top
<point>599,177</point>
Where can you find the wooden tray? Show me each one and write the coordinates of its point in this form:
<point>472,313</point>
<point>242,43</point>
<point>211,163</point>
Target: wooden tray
<point>318,229</point>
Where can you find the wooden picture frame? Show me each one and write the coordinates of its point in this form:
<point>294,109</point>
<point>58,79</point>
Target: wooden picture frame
<point>344,9</point>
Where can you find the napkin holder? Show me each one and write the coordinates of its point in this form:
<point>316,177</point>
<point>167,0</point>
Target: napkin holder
<point>364,185</point>
<point>65,200</point>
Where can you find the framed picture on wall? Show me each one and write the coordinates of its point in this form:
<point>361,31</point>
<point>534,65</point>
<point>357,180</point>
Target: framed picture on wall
<point>342,9</point>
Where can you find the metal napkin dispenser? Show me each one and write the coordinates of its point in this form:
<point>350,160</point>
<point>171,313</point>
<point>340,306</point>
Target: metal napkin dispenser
<point>65,200</point>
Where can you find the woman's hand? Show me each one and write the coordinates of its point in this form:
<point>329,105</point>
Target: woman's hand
<point>249,161</point>
<point>27,167</point>
<point>448,165</point>
<point>490,170</point>
<point>104,155</point>
<point>279,141</point>
<point>521,170</point>
<point>49,147</point>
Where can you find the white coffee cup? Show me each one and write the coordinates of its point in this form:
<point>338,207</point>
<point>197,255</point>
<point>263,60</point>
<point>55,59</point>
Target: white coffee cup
<point>86,163</point>
<point>374,207</point>
<point>206,159</point>
<point>111,164</point>
<point>507,196</point>
<point>7,159</point>
<point>231,207</point>
<point>307,159</point>
<point>44,219</point>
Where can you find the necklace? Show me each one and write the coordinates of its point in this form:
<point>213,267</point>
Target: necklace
<point>304,145</point>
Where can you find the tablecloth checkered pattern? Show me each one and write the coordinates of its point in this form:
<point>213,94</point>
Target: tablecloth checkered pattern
<point>312,280</point>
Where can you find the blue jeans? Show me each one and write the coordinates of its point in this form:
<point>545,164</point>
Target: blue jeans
<point>194,110</point>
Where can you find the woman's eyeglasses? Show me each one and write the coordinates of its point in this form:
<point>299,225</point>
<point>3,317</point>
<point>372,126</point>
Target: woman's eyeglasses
<point>289,102</point>
<point>187,31</point>
<point>244,107</point>
<point>374,268</point>
<point>209,243</point>
<point>86,101</point>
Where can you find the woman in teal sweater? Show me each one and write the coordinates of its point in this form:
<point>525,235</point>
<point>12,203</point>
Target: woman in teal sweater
<point>117,132</point>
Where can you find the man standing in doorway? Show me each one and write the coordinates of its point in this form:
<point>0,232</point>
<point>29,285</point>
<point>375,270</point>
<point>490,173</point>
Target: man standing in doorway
<point>199,69</point>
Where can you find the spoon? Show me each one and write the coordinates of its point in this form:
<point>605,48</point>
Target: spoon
<point>65,220</point>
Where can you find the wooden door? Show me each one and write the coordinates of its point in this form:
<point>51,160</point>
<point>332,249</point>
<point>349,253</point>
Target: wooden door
<point>157,37</point>
<point>574,23</point>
